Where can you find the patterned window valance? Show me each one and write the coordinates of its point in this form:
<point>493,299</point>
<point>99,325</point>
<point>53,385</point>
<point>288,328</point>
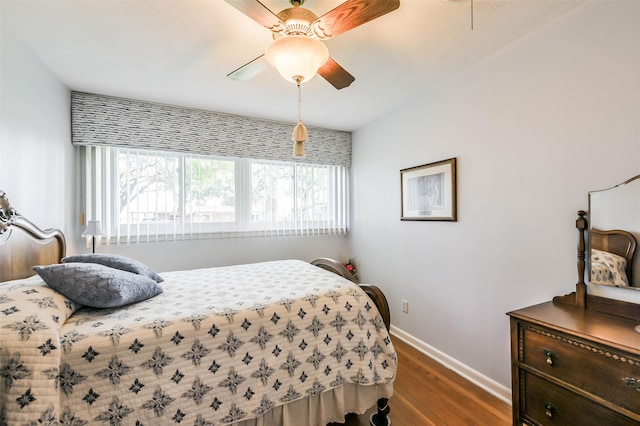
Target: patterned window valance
<point>105,120</point>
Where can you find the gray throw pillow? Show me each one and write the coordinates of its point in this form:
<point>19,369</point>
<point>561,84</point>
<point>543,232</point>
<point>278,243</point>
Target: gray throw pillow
<point>96,285</point>
<point>116,261</point>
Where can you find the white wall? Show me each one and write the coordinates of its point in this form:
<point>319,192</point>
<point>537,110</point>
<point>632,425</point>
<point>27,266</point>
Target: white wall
<point>180,255</point>
<point>534,127</point>
<point>37,166</point>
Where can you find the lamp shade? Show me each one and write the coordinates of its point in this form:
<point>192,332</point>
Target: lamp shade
<point>297,56</point>
<point>93,228</point>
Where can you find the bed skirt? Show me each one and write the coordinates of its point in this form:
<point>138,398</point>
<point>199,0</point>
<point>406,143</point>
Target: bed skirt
<point>324,408</point>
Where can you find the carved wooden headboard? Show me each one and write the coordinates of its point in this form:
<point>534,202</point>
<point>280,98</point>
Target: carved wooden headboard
<point>24,245</point>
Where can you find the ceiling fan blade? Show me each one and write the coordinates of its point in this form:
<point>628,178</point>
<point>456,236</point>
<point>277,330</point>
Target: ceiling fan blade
<point>336,75</point>
<point>249,69</point>
<point>351,14</point>
<point>259,13</point>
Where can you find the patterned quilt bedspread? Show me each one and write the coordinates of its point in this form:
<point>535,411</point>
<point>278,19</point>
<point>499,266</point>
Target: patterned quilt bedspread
<point>218,346</point>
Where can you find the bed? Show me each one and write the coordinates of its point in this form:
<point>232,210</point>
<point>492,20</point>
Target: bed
<point>273,343</point>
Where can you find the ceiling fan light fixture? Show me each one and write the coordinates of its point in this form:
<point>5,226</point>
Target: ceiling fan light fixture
<point>297,56</point>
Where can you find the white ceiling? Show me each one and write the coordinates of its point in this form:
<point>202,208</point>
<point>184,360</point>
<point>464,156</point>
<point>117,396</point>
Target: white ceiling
<point>180,51</point>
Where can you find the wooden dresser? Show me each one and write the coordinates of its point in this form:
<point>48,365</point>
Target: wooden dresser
<point>575,366</point>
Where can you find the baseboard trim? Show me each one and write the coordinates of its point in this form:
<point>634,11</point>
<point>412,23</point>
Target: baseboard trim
<point>494,388</point>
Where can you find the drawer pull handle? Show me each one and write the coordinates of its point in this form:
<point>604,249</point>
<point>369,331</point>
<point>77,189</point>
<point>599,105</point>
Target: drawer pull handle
<point>549,409</point>
<point>632,382</point>
<point>550,355</point>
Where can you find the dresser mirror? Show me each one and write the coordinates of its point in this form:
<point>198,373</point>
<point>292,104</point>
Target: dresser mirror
<point>614,227</point>
<point>554,343</point>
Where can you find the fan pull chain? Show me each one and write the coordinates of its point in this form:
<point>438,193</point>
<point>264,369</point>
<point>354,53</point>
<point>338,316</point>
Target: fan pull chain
<point>299,101</point>
<point>300,134</point>
<point>471,15</point>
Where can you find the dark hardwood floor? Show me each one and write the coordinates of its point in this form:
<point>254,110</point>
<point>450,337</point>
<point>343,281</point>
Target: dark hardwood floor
<point>428,394</point>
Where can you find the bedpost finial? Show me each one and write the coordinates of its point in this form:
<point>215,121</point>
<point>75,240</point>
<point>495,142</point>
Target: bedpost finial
<point>7,213</point>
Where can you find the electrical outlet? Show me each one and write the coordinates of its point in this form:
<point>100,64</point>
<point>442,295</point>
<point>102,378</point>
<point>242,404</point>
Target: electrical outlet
<point>405,306</point>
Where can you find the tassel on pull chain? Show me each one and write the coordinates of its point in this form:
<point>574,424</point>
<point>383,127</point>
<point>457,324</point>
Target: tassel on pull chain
<point>300,134</point>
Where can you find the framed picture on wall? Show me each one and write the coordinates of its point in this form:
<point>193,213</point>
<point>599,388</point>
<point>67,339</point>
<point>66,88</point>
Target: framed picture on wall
<point>429,191</point>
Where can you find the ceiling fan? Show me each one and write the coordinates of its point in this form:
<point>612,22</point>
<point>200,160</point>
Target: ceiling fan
<point>299,28</point>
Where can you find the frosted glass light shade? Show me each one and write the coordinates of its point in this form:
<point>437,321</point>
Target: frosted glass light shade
<point>297,55</point>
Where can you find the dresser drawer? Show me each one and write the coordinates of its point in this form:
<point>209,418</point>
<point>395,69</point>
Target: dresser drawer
<point>545,403</point>
<point>599,370</point>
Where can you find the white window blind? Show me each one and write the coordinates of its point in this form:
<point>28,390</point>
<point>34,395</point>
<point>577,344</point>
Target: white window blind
<point>143,196</point>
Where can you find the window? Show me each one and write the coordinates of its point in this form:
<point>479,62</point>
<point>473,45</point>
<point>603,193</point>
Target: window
<point>143,195</point>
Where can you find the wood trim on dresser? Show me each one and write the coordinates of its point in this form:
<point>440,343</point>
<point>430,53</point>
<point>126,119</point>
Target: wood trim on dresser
<point>619,308</point>
<point>581,287</point>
